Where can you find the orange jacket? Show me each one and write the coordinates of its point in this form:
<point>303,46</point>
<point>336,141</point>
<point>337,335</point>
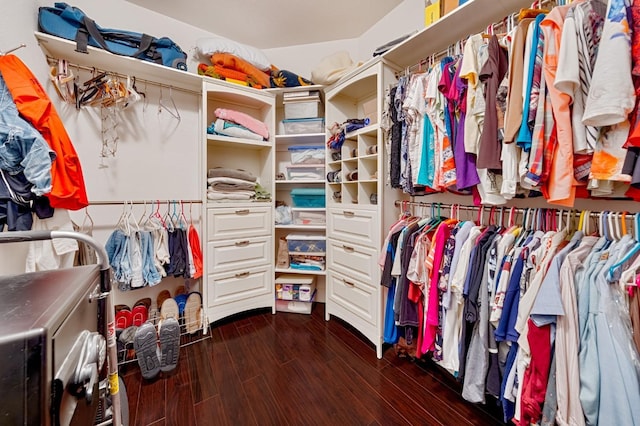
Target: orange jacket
<point>68,189</point>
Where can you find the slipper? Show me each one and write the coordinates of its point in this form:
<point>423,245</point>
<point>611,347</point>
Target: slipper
<point>123,318</point>
<point>193,312</point>
<point>169,333</point>
<point>162,296</point>
<point>146,301</point>
<point>181,300</point>
<point>169,309</point>
<point>139,315</point>
<point>146,346</point>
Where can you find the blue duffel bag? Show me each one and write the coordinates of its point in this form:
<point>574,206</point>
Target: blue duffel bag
<point>71,23</point>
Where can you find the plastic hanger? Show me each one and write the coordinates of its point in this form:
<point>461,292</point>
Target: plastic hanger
<point>183,219</point>
<point>144,213</point>
<point>512,216</point>
<point>158,216</point>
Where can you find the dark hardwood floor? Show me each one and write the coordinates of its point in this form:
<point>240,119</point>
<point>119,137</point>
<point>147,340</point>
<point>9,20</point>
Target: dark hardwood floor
<point>295,369</point>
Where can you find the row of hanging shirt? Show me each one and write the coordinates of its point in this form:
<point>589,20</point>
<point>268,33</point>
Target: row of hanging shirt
<point>143,252</point>
<point>549,108</point>
<point>547,320</point>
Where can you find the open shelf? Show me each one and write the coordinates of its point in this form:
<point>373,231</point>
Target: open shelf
<point>59,48</point>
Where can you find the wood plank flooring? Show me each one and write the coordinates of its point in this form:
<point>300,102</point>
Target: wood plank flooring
<point>295,369</point>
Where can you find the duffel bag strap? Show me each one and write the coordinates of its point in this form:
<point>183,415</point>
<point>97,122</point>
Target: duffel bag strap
<point>145,44</point>
<point>90,29</point>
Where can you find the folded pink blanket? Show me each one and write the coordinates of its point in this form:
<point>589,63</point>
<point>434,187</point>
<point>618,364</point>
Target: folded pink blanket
<point>243,119</point>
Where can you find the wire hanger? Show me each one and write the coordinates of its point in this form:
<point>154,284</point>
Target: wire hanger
<point>20,46</point>
<point>87,217</point>
<point>168,105</point>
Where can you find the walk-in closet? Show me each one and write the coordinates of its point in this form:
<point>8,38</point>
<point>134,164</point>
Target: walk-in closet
<point>416,212</point>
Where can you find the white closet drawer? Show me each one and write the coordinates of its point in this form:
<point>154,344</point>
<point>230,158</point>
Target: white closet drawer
<point>355,296</point>
<point>352,225</point>
<point>239,253</point>
<point>353,260</point>
<point>239,284</point>
<point>241,222</point>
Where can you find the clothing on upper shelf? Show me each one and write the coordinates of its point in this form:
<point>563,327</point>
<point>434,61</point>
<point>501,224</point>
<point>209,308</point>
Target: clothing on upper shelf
<point>545,320</point>
<point>548,108</point>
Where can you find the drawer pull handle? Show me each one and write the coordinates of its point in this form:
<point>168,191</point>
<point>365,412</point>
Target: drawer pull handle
<point>242,243</point>
<point>348,213</point>
<point>349,283</point>
<point>348,249</point>
<point>242,212</point>
<point>242,275</point>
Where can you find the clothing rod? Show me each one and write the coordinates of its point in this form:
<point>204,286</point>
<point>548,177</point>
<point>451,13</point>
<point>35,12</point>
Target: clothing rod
<point>53,61</point>
<point>13,50</point>
<point>517,210</point>
<point>118,203</point>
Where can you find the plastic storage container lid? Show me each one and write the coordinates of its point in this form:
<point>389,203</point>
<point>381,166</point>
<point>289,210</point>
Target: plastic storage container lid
<point>308,191</point>
<point>295,279</point>
<point>305,237</point>
<point>303,120</point>
<point>305,147</point>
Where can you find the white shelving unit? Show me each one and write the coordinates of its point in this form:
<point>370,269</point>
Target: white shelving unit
<point>355,219</point>
<point>239,244</point>
<point>284,186</point>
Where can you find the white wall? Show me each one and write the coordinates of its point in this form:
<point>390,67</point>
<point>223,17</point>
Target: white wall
<point>405,18</point>
<point>303,58</point>
<point>158,157</point>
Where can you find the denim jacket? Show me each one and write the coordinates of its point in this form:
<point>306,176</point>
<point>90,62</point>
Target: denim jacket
<point>22,148</point>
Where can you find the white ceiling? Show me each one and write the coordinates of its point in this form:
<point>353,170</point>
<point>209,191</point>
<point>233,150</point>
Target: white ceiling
<point>276,23</point>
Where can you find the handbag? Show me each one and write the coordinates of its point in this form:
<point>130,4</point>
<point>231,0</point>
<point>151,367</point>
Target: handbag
<point>71,23</point>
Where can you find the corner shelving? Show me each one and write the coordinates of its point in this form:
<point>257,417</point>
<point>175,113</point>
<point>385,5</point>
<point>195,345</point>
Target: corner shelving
<point>284,184</point>
<point>355,201</point>
<point>239,240</point>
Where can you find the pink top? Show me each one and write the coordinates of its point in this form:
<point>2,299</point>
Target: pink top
<point>243,119</point>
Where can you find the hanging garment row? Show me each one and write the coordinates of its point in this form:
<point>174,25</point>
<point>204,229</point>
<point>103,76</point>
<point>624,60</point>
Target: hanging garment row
<point>536,111</point>
<point>544,318</point>
<point>142,252</point>
<point>31,181</point>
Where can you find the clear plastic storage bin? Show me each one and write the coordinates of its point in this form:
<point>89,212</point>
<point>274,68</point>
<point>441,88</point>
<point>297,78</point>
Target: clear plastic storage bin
<point>308,197</point>
<point>298,126</point>
<point>305,172</point>
<point>306,244</point>
<point>306,154</point>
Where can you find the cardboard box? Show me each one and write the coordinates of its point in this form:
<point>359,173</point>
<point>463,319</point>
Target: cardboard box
<point>448,6</point>
<point>431,12</point>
